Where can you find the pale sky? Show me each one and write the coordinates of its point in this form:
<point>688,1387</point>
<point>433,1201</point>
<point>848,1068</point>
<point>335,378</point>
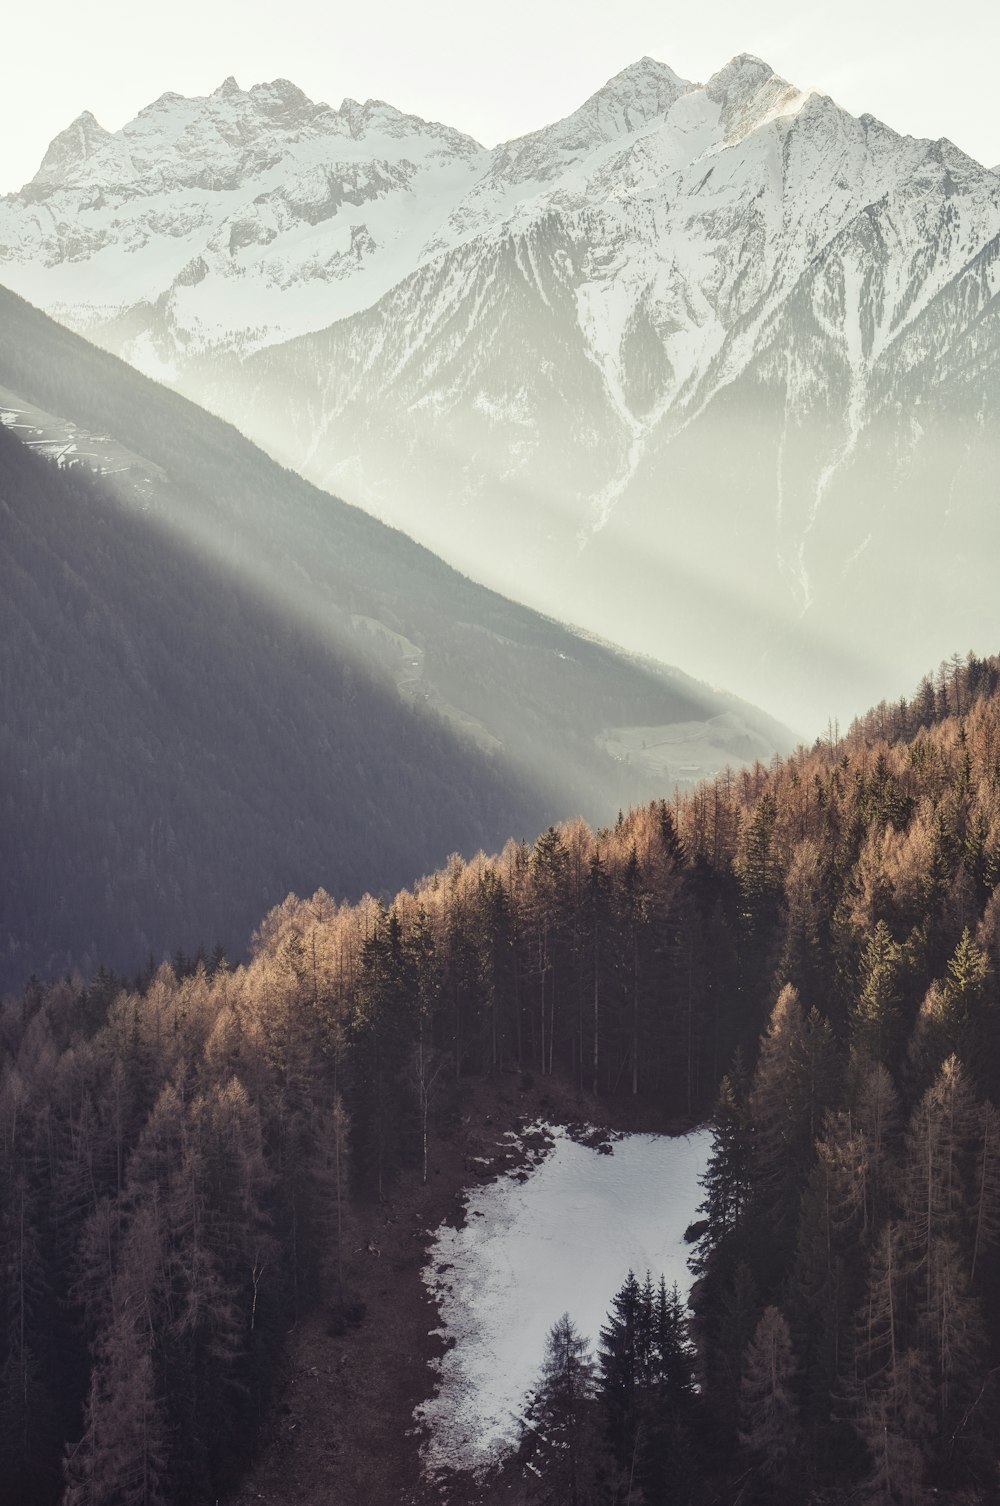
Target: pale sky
<point>494,70</point>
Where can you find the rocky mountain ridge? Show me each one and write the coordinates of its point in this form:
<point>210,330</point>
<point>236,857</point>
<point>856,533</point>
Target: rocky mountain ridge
<point>700,367</point>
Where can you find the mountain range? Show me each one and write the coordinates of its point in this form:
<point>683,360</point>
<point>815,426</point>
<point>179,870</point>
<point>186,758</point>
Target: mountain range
<point>709,369</point>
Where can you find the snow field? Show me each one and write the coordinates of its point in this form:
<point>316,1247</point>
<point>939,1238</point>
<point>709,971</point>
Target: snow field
<point>561,1241</point>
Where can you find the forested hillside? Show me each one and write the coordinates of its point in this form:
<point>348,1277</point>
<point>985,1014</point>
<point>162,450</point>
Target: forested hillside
<point>823,936</point>
<point>222,684</point>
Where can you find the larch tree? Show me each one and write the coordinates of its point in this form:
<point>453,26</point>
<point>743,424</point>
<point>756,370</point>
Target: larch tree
<point>957,1018</point>
<point>940,1146</point>
<point>888,1384</point>
<point>768,1409</point>
<point>793,1084</point>
<point>986,1236</point>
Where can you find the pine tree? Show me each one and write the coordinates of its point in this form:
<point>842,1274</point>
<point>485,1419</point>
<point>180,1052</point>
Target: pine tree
<point>621,1361</point>
<point>28,1435</point>
<point>827,1275</point>
<point>548,906</point>
<point>597,929</point>
<point>793,1083</point>
<point>896,1424</point>
<point>768,1410</point>
<point>760,893</point>
<point>727,1181</point>
<point>877,1115</point>
<point>559,1436</point>
<point>496,963</point>
<point>940,1147</point>
<point>875,1017</point>
<point>889,1385</point>
<point>383,1029</point>
<point>122,1456</point>
<point>957,1018</point>
<point>668,1468</point>
<point>986,1236</point>
<point>633,917</point>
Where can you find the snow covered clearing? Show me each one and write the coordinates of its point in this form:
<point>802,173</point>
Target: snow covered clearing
<point>562,1240</point>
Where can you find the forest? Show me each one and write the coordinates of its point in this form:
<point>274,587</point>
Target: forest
<point>803,955</point>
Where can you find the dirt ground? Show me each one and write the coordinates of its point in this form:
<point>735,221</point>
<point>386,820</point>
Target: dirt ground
<point>342,1431</point>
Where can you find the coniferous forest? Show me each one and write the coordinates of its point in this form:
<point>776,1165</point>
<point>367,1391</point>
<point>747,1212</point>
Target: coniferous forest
<point>804,955</point>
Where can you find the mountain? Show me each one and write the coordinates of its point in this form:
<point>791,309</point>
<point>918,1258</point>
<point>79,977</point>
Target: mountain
<point>711,369</point>
<point>220,684</point>
<point>235,219</point>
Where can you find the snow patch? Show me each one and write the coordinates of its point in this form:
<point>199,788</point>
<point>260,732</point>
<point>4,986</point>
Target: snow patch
<point>562,1240</point>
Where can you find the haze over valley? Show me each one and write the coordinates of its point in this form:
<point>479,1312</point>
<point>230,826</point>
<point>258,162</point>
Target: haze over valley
<point>707,369</point>
<point>499,767</point>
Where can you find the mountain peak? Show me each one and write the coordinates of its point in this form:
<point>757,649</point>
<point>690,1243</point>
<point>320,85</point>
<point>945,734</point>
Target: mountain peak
<point>163,102</point>
<point>744,76</point>
<point>640,93</point>
<point>282,102</point>
<point>81,139</point>
<point>750,93</point>
<point>648,67</point>
<point>645,82</point>
<point>228,87</point>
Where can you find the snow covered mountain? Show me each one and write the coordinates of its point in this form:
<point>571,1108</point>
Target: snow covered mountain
<point>237,218</point>
<point>714,370</point>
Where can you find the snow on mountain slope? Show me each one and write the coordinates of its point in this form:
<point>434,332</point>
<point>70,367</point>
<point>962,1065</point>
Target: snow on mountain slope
<point>634,367</point>
<point>234,218</point>
<point>522,171</point>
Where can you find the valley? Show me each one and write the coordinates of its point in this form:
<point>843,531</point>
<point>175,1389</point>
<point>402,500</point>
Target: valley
<point>453,1051</point>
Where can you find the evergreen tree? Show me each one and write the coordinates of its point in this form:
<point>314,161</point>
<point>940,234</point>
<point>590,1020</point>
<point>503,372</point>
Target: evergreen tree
<point>622,1357</point>
<point>559,1436</point>
<point>380,1104</point>
<point>768,1410</point>
<point>669,1473</point>
<point>598,934</point>
<point>793,1084</point>
<point>727,1180</point>
<point>875,1018</point>
<point>958,1018</point>
<point>760,893</point>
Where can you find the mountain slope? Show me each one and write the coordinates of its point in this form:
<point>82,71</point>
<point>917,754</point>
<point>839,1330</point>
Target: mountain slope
<point>674,385</point>
<point>655,367</point>
<point>221,682</point>
<point>175,750</point>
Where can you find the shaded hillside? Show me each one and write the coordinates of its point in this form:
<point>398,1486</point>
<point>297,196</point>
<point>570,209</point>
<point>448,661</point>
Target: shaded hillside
<point>178,754</point>
<point>536,686</point>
